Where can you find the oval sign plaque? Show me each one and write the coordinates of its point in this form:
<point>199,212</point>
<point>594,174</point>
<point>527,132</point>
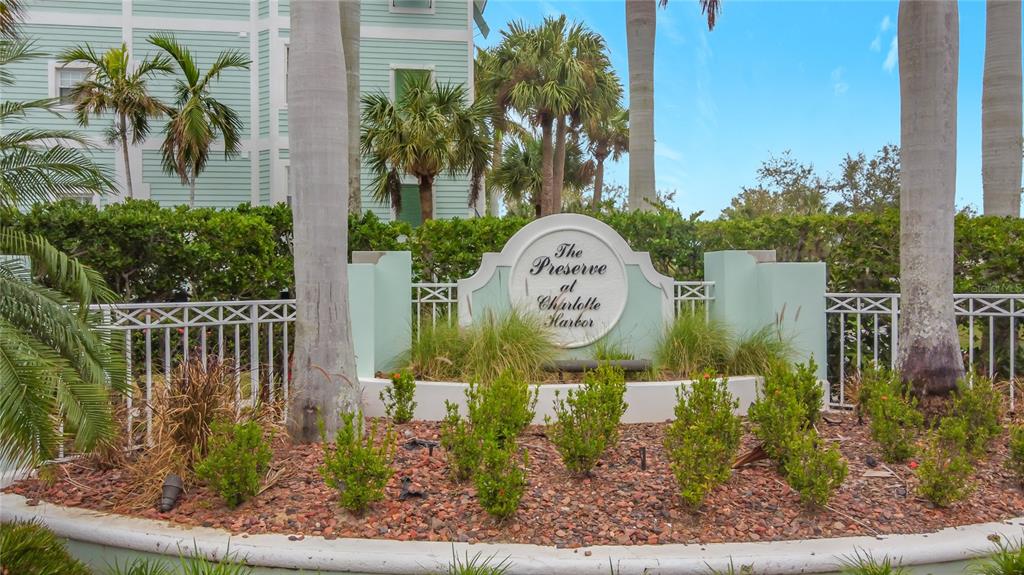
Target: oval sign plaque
<point>574,280</point>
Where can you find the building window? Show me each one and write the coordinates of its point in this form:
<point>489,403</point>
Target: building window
<point>412,6</point>
<point>67,79</point>
<point>403,77</point>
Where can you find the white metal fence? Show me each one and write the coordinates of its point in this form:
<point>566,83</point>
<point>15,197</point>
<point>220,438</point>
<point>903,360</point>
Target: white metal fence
<point>863,329</point>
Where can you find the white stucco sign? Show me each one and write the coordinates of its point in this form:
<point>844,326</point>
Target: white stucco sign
<point>569,270</point>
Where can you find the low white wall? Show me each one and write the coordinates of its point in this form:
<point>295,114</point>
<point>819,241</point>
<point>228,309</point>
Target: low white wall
<point>649,401</point>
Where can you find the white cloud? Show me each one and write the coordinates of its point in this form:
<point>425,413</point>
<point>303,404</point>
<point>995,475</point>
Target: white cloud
<point>664,151</point>
<point>876,44</point>
<point>838,85</point>
<point>892,58</point>
<point>886,24</point>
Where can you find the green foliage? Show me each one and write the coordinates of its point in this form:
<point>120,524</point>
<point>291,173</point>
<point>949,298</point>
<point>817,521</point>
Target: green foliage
<point>437,351</point>
<point>513,343</point>
<point>28,548</point>
<point>1008,559</point>
<point>187,565</point>
<point>866,564</point>
<point>398,397</point>
<point>702,441</point>
<point>786,405</point>
<point>501,480</point>
<point>477,565</point>
<point>813,471</point>
<point>237,457</point>
<point>587,421</point>
<point>607,350</point>
<point>357,467</point>
<point>981,406</point>
<point>693,345</point>
<point>498,412</point>
<point>1015,459</point>
<point>895,419</point>
<point>944,470</point>
<point>759,352</point>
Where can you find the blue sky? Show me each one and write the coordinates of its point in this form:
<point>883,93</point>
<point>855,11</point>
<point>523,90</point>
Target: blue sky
<point>818,78</point>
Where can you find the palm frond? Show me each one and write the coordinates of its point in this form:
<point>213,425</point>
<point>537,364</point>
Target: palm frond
<point>30,175</point>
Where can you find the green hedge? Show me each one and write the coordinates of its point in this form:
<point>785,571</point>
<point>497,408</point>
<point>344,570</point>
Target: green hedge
<point>150,253</point>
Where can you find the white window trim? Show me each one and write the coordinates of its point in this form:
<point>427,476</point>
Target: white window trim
<point>53,79</point>
<point>407,10</point>
<point>286,48</point>
<point>391,74</point>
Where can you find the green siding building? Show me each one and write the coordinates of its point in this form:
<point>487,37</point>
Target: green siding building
<point>399,38</point>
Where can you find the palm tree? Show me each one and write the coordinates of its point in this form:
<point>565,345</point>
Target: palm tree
<point>429,130</point>
<point>324,361</point>
<point>492,80</point>
<point>608,134</point>
<point>113,87</point>
<point>197,118</point>
<point>519,172</point>
<point>350,14</point>
<point>1001,114</point>
<point>929,350</point>
<point>55,366</point>
<point>640,25</point>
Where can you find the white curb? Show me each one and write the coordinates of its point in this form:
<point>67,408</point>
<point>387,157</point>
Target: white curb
<point>378,556</point>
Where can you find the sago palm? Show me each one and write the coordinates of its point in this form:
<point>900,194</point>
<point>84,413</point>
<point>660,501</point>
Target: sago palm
<point>112,86</point>
<point>197,118</point>
<point>55,367</point>
<point>430,130</point>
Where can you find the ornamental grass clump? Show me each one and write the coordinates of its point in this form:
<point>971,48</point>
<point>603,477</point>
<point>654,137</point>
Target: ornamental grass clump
<point>1015,458</point>
<point>237,459</point>
<point>515,343</point>
<point>813,470</point>
<point>980,405</point>
<point>438,350</point>
<point>359,466</point>
<point>28,548</point>
<point>702,441</point>
<point>1008,559</point>
<point>587,421</point>
<point>693,345</point>
<point>866,564</point>
<point>398,397</point>
<point>891,407</point>
<point>760,352</point>
<point>501,480</point>
<point>944,469</point>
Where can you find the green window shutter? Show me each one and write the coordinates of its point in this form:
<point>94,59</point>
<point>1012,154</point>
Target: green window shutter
<point>410,211</point>
<point>403,77</point>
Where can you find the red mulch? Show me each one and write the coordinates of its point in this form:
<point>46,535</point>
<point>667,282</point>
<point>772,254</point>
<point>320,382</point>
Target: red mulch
<point>619,504</point>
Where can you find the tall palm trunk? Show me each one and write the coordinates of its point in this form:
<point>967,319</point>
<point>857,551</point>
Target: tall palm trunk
<point>929,352</point>
<point>127,161</point>
<point>493,192</point>
<point>547,166</point>
<point>599,157</point>
<point>324,369</point>
<point>192,188</point>
<point>640,25</point>
<point>350,14</point>
<point>426,198</point>
<point>1001,121</point>
<point>558,170</point>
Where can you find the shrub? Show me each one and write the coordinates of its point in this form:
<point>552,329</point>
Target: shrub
<point>944,469</point>
<point>587,421</point>
<point>500,481</point>
<point>892,408</point>
<point>693,345</point>
<point>28,548</point>
<point>813,471</point>
<point>237,459</point>
<point>1015,459</point>
<point>1008,559</point>
<point>760,352</point>
<point>398,397</point>
<point>779,414</point>
<point>702,441</point>
<point>438,351</point>
<point>514,343</point>
<point>357,467</point>
<point>462,445</point>
<point>981,406</point>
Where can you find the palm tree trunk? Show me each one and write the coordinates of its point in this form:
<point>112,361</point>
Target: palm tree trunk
<point>640,26</point>
<point>1002,97</point>
<point>192,189</point>
<point>426,198</point>
<point>325,379</point>
<point>599,158</point>
<point>493,192</point>
<point>547,167</point>
<point>558,171</point>
<point>127,161</point>
<point>350,14</point>
<point>929,352</point>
